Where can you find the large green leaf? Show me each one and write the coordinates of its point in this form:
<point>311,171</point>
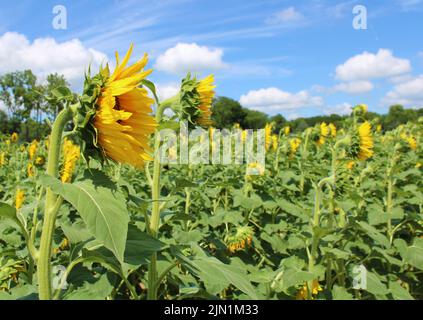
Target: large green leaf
<point>414,254</point>
<point>215,274</point>
<point>101,206</point>
<point>7,211</point>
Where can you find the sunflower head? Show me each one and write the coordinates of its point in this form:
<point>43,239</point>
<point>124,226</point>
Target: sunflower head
<point>320,133</point>
<point>360,109</point>
<point>302,294</point>
<point>294,144</point>
<point>275,142</point>
<point>409,140</point>
<point>30,169</point>
<point>361,146</point>
<point>14,137</point>
<point>287,130</point>
<point>32,149</point>
<point>114,120</point>
<point>332,130</point>
<point>243,238</point>
<point>195,100</point>
<point>19,199</point>
<point>268,129</point>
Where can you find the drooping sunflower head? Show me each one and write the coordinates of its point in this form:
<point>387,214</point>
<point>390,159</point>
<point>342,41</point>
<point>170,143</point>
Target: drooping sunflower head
<point>409,140</point>
<point>321,133</point>
<point>19,198</point>
<point>287,130</point>
<point>332,129</point>
<point>268,129</point>
<point>275,142</point>
<point>362,142</point>
<point>294,144</point>
<point>115,120</point>
<point>30,170</point>
<point>14,137</point>
<point>32,149</point>
<point>195,100</point>
<point>302,294</point>
<point>360,109</point>
<point>242,239</point>
<point>71,153</point>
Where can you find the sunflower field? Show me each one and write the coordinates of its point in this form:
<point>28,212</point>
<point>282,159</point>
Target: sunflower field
<point>90,212</point>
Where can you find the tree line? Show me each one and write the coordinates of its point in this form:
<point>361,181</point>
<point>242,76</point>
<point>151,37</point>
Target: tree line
<point>227,112</point>
<point>31,106</point>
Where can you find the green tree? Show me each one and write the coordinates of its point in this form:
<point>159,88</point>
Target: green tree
<point>254,119</point>
<point>226,112</point>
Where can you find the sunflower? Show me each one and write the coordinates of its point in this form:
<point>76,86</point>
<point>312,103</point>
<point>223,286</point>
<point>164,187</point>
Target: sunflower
<point>303,292</point>
<point>365,144</point>
<point>20,197</point>
<point>324,133</point>
<point>268,135</point>
<point>294,144</point>
<point>123,118</point>
<point>71,155</point>
<point>194,101</point>
<point>30,170</point>
<point>242,238</point>
<point>332,129</point>
<point>14,137</point>
<point>205,89</point>
<point>287,130</point>
<point>350,165</point>
<point>32,150</point>
<point>410,140</point>
<point>274,142</point>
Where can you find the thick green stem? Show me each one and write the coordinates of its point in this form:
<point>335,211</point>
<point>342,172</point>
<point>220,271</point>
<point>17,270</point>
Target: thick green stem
<point>155,211</point>
<point>52,205</point>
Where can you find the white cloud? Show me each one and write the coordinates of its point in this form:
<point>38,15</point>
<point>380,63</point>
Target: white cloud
<point>165,91</point>
<point>409,93</point>
<point>368,65</point>
<point>409,4</point>
<point>190,57</point>
<point>340,109</point>
<point>354,87</point>
<point>44,56</point>
<point>293,116</point>
<point>272,100</point>
<point>285,16</point>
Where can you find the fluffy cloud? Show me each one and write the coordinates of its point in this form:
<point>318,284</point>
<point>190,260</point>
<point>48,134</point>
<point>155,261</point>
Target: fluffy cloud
<point>368,65</point>
<point>185,57</point>
<point>354,87</point>
<point>165,91</point>
<point>341,109</point>
<point>285,16</point>
<point>44,56</point>
<point>272,100</point>
<point>409,93</point>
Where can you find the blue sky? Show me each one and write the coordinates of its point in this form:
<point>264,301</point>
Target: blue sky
<point>297,58</point>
